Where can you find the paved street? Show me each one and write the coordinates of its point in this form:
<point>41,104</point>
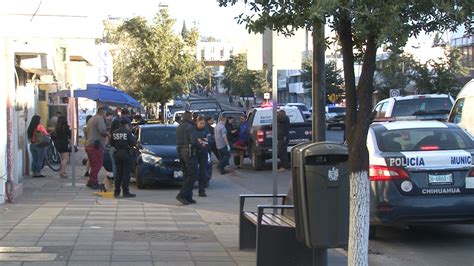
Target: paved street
<point>54,223</point>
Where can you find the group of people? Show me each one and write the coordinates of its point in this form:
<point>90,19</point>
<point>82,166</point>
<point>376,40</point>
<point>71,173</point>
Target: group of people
<point>98,132</point>
<point>196,139</point>
<point>40,138</point>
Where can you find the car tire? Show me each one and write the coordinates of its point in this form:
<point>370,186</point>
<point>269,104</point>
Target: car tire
<point>372,232</point>
<point>139,180</point>
<point>257,161</point>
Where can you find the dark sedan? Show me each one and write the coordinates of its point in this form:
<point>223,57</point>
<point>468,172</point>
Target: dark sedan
<point>157,159</point>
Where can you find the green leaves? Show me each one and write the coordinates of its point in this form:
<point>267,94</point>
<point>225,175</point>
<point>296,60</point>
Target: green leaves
<point>241,81</point>
<point>153,62</point>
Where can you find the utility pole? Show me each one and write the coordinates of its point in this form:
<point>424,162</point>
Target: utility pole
<point>319,82</point>
<point>320,255</point>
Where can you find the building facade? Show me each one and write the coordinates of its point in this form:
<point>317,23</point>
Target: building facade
<point>36,60</point>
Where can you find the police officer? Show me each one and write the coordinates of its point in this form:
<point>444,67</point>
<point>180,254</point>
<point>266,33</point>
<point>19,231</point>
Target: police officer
<point>122,140</point>
<point>283,127</point>
<point>185,145</point>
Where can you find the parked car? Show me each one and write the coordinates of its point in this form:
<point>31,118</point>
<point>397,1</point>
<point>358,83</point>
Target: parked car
<point>156,156</point>
<point>202,104</point>
<point>306,112</point>
<point>425,106</point>
<point>177,116</point>
<point>335,116</point>
<point>260,135</point>
<point>462,112</point>
<point>208,112</point>
<point>420,172</point>
<point>235,114</point>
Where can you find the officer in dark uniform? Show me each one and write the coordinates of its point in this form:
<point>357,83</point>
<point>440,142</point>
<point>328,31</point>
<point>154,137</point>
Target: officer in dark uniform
<point>123,140</point>
<point>185,145</point>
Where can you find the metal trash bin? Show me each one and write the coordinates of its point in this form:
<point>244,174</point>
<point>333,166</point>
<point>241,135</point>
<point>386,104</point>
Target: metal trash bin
<point>321,194</point>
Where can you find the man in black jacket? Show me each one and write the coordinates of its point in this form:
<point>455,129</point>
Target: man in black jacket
<point>123,140</point>
<point>185,142</point>
<point>283,132</point>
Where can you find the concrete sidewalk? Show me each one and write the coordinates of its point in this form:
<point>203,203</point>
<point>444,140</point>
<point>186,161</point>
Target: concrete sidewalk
<point>54,223</point>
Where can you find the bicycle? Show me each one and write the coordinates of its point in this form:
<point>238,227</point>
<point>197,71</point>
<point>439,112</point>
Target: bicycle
<point>52,158</point>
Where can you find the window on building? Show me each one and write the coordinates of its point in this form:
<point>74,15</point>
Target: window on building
<point>203,54</point>
<point>41,95</point>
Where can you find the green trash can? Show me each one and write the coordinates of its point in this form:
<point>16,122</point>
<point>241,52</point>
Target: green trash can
<point>320,180</point>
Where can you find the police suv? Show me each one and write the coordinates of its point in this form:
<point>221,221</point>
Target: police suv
<point>420,171</point>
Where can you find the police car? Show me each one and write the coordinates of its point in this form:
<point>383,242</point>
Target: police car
<point>420,172</point>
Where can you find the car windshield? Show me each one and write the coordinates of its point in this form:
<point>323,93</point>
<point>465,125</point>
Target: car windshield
<point>337,110</point>
<point>302,108</point>
<point>158,136</point>
<point>206,113</point>
<point>423,139</point>
<point>422,106</point>
<point>195,106</point>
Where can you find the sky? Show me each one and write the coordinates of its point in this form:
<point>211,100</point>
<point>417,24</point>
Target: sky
<point>205,14</point>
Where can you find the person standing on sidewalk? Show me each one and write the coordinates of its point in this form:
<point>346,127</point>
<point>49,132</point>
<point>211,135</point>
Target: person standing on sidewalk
<point>97,131</point>
<point>202,136</point>
<point>62,139</point>
<point>212,142</point>
<point>37,150</point>
<point>241,144</point>
<point>185,145</point>
<point>222,145</point>
<point>86,161</point>
<point>283,132</point>
<point>122,140</point>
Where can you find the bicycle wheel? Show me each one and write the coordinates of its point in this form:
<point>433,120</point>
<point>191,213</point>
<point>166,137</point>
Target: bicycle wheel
<point>53,158</point>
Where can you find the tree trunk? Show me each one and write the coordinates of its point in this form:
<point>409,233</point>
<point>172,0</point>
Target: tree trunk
<point>345,36</point>
<point>358,119</point>
<point>319,84</point>
<point>163,112</point>
<point>359,200</point>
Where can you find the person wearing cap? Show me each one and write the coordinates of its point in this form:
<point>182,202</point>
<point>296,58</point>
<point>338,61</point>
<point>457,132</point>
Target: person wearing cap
<point>185,145</point>
<point>122,140</point>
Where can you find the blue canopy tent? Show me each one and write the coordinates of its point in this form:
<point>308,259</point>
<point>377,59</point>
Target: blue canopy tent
<point>103,94</point>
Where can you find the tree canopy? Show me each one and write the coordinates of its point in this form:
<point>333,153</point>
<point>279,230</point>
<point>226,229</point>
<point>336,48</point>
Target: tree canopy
<point>333,77</point>
<point>361,27</point>
<point>401,70</point>
<point>241,81</point>
<point>153,62</point>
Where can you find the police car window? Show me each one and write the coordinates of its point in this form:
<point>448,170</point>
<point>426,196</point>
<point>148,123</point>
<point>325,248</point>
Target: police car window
<point>158,136</point>
<point>426,139</point>
<point>420,106</point>
<point>377,109</point>
<point>456,114</point>
<point>337,110</point>
<point>383,110</point>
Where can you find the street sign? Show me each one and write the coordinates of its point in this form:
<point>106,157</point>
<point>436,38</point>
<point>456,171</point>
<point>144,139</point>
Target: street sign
<point>394,93</point>
<point>332,97</point>
<point>266,96</point>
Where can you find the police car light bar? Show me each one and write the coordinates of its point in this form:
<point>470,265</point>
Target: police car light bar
<point>386,173</point>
